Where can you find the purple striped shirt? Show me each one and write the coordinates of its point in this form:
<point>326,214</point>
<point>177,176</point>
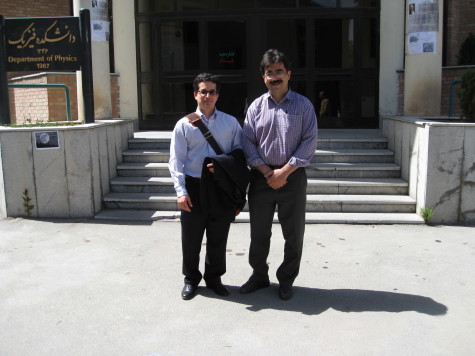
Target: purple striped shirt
<point>276,134</point>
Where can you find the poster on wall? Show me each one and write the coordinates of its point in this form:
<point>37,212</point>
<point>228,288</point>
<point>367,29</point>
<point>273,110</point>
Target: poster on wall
<point>99,20</point>
<point>423,25</point>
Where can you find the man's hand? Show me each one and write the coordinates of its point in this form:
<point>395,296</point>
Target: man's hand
<point>277,179</point>
<point>210,167</point>
<point>184,203</point>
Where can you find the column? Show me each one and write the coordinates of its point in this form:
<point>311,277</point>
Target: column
<point>125,56</point>
<point>423,66</point>
<point>100,58</point>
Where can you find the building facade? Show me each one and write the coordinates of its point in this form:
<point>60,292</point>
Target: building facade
<point>355,51</point>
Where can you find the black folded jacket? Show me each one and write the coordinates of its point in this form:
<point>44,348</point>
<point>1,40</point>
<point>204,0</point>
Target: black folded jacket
<point>224,191</point>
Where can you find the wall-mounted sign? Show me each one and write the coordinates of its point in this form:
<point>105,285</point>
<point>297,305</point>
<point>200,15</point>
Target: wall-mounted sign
<point>227,57</point>
<point>46,140</point>
<point>42,44</point>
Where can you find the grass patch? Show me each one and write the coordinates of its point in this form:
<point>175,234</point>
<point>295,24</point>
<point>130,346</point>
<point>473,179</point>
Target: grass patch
<point>43,124</point>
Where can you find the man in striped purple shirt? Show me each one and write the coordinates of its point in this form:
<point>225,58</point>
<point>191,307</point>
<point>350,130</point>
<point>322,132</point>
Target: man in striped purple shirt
<point>279,139</point>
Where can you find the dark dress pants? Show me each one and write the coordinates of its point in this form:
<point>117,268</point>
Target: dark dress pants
<point>193,226</point>
<point>290,201</point>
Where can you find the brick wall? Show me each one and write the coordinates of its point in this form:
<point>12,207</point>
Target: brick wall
<point>56,97</point>
<point>448,75</point>
<point>115,96</point>
<point>46,105</point>
<point>30,105</point>
<point>35,8</point>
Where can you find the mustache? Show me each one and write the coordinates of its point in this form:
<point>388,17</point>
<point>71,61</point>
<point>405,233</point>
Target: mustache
<point>278,81</point>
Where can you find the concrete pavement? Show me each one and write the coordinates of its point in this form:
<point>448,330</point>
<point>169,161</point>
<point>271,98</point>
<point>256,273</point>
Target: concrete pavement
<point>89,287</point>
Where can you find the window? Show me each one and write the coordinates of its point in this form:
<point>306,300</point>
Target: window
<point>180,45</point>
<point>334,43</point>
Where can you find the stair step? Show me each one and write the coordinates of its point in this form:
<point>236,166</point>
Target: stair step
<point>360,203</point>
<point>353,156</point>
<point>315,202</point>
<point>140,169</point>
<point>361,143</point>
<point>380,186</point>
<point>353,170</point>
<point>321,156</point>
<point>314,170</point>
<point>159,156</point>
<point>138,201</point>
<point>134,184</point>
<point>138,143</point>
<point>327,139</point>
<point>310,218</point>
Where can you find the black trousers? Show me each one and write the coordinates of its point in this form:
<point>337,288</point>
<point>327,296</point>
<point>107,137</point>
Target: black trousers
<point>193,226</point>
<point>290,201</point>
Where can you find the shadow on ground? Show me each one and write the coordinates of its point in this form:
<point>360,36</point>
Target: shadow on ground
<point>313,301</point>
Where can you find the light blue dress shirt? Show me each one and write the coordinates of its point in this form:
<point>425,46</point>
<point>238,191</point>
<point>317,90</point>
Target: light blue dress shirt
<point>189,148</point>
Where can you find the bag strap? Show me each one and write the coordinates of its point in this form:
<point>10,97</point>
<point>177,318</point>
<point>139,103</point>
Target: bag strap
<point>196,121</point>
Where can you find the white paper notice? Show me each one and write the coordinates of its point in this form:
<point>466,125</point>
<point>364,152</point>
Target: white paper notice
<point>99,20</point>
<point>423,25</point>
<point>421,42</point>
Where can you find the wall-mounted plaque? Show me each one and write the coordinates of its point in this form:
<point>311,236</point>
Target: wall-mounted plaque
<point>46,140</point>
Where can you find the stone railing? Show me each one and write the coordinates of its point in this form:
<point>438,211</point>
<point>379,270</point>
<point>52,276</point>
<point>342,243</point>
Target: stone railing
<point>437,158</point>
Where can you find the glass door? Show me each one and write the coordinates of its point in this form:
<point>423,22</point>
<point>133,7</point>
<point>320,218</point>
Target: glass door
<point>334,52</point>
<point>173,52</point>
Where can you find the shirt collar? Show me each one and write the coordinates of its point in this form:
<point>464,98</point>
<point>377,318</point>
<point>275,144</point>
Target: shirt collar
<point>288,96</point>
<point>203,117</point>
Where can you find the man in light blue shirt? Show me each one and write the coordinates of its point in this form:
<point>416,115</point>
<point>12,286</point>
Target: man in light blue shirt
<point>188,150</point>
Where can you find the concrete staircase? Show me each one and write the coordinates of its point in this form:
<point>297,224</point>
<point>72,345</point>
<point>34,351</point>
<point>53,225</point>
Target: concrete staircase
<point>352,179</point>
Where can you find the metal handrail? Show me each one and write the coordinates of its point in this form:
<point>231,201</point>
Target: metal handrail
<point>63,86</point>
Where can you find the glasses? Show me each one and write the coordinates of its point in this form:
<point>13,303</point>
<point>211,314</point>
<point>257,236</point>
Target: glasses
<point>277,74</point>
<point>204,92</point>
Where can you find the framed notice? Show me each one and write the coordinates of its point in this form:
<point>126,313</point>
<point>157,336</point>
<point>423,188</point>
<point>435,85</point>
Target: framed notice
<point>46,140</point>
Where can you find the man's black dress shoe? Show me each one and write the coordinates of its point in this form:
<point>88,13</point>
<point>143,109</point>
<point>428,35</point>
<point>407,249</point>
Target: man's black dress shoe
<point>253,284</point>
<point>285,293</point>
<point>218,288</point>
<point>189,291</point>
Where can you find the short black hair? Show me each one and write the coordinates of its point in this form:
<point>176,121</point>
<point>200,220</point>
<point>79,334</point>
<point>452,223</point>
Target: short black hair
<point>273,56</point>
<point>206,77</point>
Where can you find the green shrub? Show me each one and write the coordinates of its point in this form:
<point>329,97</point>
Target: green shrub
<point>466,54</point>
<point>427,214</point>
<point>466,95</point>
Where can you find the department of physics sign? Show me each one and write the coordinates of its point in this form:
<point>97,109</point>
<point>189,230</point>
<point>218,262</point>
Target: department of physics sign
<point>43,44</point>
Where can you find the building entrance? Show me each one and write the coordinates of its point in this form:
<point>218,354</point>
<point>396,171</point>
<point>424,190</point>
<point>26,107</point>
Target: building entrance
<point>332,44</point>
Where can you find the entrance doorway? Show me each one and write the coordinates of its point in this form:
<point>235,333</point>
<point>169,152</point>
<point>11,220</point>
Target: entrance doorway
<point>332,44</point>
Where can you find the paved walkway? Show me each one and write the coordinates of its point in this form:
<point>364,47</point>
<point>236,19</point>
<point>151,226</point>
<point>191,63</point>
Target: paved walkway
<point>91,287</point>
